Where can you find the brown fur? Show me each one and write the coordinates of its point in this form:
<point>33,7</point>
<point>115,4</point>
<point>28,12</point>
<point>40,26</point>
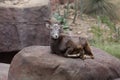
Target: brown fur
<point>71,46</point>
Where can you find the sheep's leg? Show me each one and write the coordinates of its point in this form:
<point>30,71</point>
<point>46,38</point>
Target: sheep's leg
<point>73,55</point>
<point>82,56</point>
<point>68,53</point>
<point>88,57</point>
<point>88,51</point>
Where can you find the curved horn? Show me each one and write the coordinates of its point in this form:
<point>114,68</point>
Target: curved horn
<point>48,21</point>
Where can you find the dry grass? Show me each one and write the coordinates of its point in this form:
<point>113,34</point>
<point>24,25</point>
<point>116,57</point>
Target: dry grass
<point>117,3</point>
<point>82,27</point>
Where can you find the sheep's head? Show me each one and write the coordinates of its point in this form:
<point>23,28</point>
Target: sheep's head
<point>55,29</point>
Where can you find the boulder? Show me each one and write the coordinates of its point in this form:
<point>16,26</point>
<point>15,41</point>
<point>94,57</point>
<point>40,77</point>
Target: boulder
<point>22,24</point>
<point>117,79</point>
<point>4,71</point>
<point>37,63</point>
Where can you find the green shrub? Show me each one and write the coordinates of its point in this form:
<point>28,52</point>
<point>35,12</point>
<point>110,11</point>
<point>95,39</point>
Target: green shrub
<point>110,33</point>
<point>100,8</point>
<point>112,48</point>
<point>108,39</point>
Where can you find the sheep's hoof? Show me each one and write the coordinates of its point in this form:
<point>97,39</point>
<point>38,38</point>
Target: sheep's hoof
<point>72,55</point>
<point>92,57</point>
<point>88,57</point>
<point>83,57</point>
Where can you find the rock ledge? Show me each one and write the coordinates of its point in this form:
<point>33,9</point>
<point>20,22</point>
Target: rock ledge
<point>36,63</point>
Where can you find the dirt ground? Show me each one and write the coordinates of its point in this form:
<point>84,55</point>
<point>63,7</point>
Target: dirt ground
<point>82,27</point>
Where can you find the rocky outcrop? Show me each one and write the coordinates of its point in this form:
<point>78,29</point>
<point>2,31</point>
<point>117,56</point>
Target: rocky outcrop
<point>22,25</point>
<point>37,63</point>
<point>117,79</point>
<point>4,71</point>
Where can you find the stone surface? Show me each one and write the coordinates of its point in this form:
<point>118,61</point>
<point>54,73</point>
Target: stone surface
<point>36,63</point>
<point>117,79</point>
<point>22,24</point>
<point>4,71</point>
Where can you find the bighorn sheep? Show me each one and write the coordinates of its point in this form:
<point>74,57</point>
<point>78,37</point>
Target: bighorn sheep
<point>68,46</point>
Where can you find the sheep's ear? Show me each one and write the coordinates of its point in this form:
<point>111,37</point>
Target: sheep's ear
<point>62,27</point>
<point>48,23</point>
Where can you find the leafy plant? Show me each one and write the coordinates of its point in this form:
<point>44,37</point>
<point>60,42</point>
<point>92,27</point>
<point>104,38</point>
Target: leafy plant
<point>62,18</point>
<point>97,31</point>
<point>100,8</point>
<point>103,37</point>
<point>112,48</point>
<point>110,33</point>
<point>114,30</point>
<point>76,10</point>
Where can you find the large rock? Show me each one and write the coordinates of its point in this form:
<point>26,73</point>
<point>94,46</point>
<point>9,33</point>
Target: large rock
<point>4,71</point>
<point>22,24</point>
<point>37,63</point>
<point>117,79</point>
